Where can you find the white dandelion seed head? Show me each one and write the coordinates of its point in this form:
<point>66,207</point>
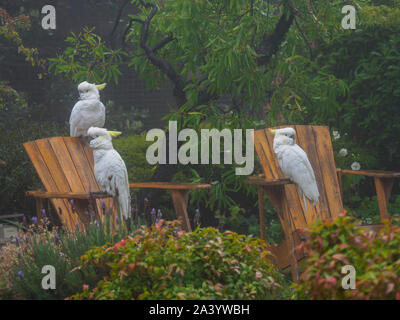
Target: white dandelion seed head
<point>336,134</point>
<point>343,152</point>
<point>355,166</point>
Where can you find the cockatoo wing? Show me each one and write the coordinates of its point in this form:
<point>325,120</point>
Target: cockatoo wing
<point>86,114</point>
<point>112,176</point>
<point>296,166</point>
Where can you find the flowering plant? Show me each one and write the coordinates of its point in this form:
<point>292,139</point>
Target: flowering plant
<point>332,245</point>
<point>204,264</point>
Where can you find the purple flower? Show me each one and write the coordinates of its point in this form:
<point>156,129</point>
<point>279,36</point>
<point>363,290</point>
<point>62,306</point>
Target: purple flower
<point>21,274</point>
<point>43,214</point>
<point>159,214</point>
<point>103,204</point>
<point>86,214</point>
<point>153,215</point>
<point>116,220</point>
<point>24,221</point>
<point>96,223</point>
<point>197,217</point>
<point>34,220</point>
<point>17,241</point>
<point>57,237</point>
<point>77,226</point>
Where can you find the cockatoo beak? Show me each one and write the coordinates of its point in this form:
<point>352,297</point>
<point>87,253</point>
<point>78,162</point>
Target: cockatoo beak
<point>273,131</point>
<point>114,134</point>
<point>100,86</point>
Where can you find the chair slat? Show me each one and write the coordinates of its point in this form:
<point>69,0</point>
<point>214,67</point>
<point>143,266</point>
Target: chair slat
<point>47,180</point>
<point>65,161</point>
<point>82,159</point>
<point>306,141</point>
<point>327,162</point>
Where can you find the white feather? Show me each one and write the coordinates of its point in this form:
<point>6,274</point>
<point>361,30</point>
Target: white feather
<point>295,165</point>
<point>87,112</point>
<point>110,170</point>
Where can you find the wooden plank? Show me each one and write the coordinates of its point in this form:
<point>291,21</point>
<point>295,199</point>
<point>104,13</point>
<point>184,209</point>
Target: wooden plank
<point>305,140</point>
<point>179,199</point>
<point>382,198</point>
<point>261,213</point>
<point>327,163</point>
<point>83,161</point>
<point>82,165</point>
<point>295,204</point>
<point>373,173</point>
<point>57,172</point>
<point>271,156</point>
<point>260,144</point>
<point>263,182</point>
<point>66,195</point>
<point>308,144</point>
<point>47,180</point>
<point>64,158</point>
<point>169,185</point>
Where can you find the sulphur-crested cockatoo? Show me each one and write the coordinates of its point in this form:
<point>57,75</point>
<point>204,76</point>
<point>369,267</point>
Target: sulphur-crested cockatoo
<point>109,169</point>
<point>88,111</point>
<point>295,164</point>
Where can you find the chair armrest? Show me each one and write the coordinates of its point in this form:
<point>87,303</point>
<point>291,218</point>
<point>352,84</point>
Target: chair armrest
<point>67,195</point>
<point>371,173</point>
<point>170,185</point>
<point>256,180</point>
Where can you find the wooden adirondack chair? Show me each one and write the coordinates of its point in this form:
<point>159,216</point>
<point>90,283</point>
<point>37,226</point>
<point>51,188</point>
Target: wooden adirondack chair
<point>65,168</point>
<point>316,142</point>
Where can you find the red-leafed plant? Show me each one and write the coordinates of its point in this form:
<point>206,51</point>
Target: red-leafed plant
<point>375,257</point>
<point>164,262</point>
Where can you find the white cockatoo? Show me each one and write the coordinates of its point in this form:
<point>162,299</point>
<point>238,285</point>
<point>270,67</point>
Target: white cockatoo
<point>88,111</point>
<point>109,169</point>
<point>295,164</point>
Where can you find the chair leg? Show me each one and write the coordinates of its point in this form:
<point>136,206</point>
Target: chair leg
<point>180,201</point>
<point>39,207</point>
<point>383,188</point>
<point>291,244</point>
<point>261,213</point>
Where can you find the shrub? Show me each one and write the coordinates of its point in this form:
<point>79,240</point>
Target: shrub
<point>21,262</point>
<point>133,150</point>
<point>375,257</point>
<point>163,262</point>
<point>17,175</point>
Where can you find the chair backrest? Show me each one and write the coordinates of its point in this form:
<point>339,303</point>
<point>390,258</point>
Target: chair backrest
<point>316,142</point>
<point>65,164</point>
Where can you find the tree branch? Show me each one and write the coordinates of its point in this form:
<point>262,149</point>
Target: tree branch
<point>163,65</point>
<point>119,14</point>
<point>270,43</point>
<point>163,42</point>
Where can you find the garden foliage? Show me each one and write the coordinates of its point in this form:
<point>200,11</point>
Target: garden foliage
<point>375,257</point>
<point>21,262</point>
<point>164,262</point>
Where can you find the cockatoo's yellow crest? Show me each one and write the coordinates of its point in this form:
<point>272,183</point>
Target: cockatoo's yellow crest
<point>114,134</point>
<point>273,131</point>
<point>100,86</point>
